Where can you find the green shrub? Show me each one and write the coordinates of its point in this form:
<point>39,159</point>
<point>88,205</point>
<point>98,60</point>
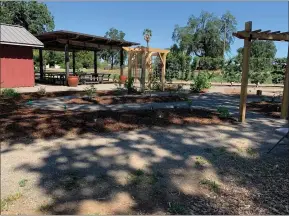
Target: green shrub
<point>232,71</point>
<point>41,91</point>
<point>224,112</point>
<point>129,85</point>
<point>201,82</point>
<point>90,91</point>
<point>10,93</point>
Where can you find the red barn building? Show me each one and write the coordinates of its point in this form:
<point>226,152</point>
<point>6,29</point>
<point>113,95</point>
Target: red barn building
<point>16,56</point>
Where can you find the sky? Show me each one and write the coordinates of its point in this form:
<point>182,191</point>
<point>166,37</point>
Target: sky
<point>161,17</point>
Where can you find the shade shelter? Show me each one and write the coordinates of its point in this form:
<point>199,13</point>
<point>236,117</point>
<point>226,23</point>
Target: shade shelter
<point>16,56</point>
<point>69,41</point>
<point>145,54</point>
<point>248,35</point>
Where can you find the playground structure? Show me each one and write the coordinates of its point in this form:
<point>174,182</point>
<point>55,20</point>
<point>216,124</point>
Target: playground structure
<point>248,35</point>
<point>140,64</point>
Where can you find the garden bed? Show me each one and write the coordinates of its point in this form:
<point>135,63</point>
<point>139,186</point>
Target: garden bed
<point>35,123</point>
<point>271,109</point>
<point>107,100</point>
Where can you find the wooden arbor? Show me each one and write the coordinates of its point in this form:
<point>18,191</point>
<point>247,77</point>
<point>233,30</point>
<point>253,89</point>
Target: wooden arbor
<point>248,35</point>
<point>145,55</point>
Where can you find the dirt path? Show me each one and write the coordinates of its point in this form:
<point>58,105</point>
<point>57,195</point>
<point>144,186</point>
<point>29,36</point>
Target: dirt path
<point>212,169</point>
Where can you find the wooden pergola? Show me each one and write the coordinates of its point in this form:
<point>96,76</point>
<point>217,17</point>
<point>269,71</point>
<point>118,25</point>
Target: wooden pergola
<point>248,35</point>
<point>146,55</point>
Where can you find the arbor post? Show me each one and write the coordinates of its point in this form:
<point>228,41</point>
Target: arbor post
<point>245,73</point>
<point>285,99</point>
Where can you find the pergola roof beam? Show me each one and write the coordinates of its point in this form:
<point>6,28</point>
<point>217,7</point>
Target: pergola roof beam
<point>262,36</point>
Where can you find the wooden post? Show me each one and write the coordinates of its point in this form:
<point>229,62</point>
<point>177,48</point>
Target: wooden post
<point>129,64</point>
<point>73,61</point>
<point>143,71</point>
<point>66,62</point>
<point>285,99</point>
<point>95,61</point>
<point>245,73</point>
<point>121,62</point>
<point>164,57</point>
<point>41,64</point>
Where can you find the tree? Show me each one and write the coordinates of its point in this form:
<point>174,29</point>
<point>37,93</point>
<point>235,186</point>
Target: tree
<point>261,60</point>
<point>147,33</point>
<point>178,64</point>
<point>232,71</point>
<point>113,56</point>
<point>260,49</point>
<point>33,16</point>
<point>204,36</point>
<point>278,72</point>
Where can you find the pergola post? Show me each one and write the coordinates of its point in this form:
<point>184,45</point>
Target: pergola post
<point>41,64</point>
<point>285,99</point>
<point>129,65</point>
<point>143,71</point>
<point>95,61</point>
<point>245,73</point>
<point>73,61</point>
<point>164,57</point>
<point>66,62</point>
<point>121,61</point>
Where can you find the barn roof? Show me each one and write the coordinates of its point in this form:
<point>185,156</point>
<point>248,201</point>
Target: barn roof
<point>18,35</point>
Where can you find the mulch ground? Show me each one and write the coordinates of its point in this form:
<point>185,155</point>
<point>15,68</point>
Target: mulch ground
<point>271,109</point>
<point>22,121</point>
<point>107,100</point>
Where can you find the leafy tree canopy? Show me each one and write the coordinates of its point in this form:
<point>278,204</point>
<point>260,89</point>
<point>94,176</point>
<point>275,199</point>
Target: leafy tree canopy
<point>261,60</point>
<point>260,49</point>
<point>204,36</point>
<point>33,16</point>
<point>112,56</point>
<point>178,64</point>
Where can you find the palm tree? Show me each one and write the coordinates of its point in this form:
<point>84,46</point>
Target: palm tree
<point>147,33</point>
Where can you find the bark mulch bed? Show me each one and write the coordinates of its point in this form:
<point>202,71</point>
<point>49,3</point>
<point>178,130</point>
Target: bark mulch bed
<point>107,100</point>
<point>271,109</point>
<point>36,123</point>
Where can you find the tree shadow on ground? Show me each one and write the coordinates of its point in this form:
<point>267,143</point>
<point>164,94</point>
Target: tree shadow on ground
<point>178,170</point>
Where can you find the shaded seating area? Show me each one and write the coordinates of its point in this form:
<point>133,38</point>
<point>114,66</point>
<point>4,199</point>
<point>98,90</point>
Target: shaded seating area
<point>72,42</point>
<point>59,78</point>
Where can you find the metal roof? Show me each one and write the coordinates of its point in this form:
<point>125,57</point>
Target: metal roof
<point>56,40</point>
<point>17,35</point>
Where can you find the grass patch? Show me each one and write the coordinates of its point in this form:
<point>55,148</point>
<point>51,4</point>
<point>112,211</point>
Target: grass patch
<point>22,183</point>
<point>8,200</point>
<point>200,161</point>
<point>139,177</point>
<point>212,185</point>
<point>252,152</point>
<point>45,207</point>
<point>177,209</point>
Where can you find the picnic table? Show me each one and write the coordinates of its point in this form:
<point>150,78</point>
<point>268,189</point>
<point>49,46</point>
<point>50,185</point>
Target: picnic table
<point>84,78</point>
